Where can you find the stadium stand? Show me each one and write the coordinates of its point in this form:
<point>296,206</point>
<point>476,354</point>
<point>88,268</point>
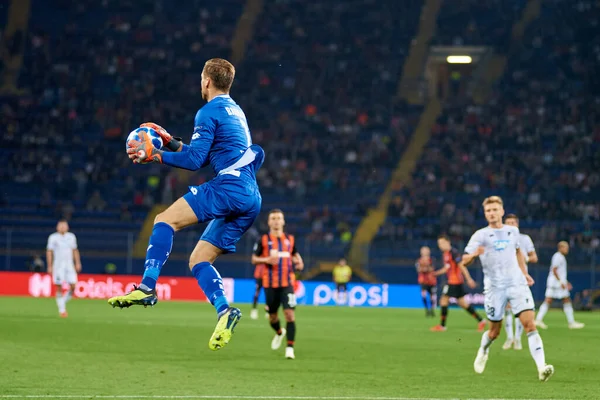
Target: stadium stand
<point>536,143</point>
<point>318,83</point>
<point>94,70</point>
<point>120,60</point>
<point>477,23</point>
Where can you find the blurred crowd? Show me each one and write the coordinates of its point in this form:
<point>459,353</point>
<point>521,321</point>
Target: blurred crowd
<point>536,141</point>
<point>477,23</point>
<point>318,84</point>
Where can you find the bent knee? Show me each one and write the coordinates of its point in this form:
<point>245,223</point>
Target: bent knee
<point>289,315</point>
<point>204,252</point>
<point>493,333</point>
<point>163,217</point>
<point>527,319</point>
<point>529,326</point>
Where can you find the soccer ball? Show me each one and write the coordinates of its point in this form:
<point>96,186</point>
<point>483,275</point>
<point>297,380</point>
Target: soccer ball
<point>135,135</point>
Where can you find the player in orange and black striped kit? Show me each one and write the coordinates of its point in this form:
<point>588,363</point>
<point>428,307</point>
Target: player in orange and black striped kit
<point>277,252</point>
<point>427,279</point>
<point>455,285</point>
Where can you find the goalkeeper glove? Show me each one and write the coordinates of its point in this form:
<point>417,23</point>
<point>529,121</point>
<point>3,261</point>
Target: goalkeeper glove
<point>143,152</point>
<point>169,141</point>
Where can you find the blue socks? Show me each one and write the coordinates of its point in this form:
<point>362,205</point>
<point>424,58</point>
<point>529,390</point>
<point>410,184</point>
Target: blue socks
<point>159,248</point>
<point>211,283</point>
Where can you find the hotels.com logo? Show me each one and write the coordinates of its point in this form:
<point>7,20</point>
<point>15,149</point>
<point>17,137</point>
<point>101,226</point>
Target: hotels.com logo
<point>41,286</point>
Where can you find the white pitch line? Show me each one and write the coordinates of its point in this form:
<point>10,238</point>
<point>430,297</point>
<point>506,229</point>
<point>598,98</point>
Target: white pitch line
<point>19,396</point>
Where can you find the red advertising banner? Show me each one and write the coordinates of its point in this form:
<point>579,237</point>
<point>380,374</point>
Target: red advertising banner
<point>92,286</point>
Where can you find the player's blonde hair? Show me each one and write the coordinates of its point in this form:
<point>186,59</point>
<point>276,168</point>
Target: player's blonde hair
<point>221,72</point>
<point>493,200</point>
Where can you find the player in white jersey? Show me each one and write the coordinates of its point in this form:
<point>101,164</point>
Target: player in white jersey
<point>558,287</point>
<point>64,262</point>
<point>505,279</point>
<point>530,256</point>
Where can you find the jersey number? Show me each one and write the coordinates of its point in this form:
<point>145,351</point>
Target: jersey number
<point>244,125</point>
<point>292,300</point>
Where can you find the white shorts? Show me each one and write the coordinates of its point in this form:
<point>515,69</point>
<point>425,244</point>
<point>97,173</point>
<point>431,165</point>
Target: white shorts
<point>556,292</point>
<point>520,299</point>
<point>64,272</point>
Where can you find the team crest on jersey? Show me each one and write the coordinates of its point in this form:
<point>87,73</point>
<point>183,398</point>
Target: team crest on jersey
<point>501,245</point>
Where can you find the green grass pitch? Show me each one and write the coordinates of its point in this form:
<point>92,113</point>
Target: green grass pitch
<point>341,352</point>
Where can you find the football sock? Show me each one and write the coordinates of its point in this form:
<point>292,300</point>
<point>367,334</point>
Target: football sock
<point>159,247</point>
<point>508,324</point>
<point>255,300</point>
<point>433,301</point>
<point>568,309</point>
<point>444,315</point>
<point>486,342</point>
<point>473,313</point>
<point>425,303</point>
<point>536,348</point>
<point>211,283</point>
<point>542,312</point>
<point>518,329</point>
<point>291,333</point>
<point>60,302</point>
<point>69,295</point>
<point>276,327</point>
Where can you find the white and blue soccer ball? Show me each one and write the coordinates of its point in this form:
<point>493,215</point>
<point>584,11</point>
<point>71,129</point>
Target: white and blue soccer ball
<point>135,135</point>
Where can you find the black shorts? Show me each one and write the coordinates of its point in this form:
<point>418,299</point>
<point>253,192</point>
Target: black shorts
<point>259,283</point>
<point>429,288</point>
<point>341,287</point>
<point>456,291</point>
<point>283,296</point>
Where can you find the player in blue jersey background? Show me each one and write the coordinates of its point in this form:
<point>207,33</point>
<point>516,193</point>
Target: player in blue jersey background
<point>231,201</point>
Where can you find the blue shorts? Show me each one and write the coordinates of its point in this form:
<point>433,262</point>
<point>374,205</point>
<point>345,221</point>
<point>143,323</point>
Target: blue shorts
<point>230,203</point>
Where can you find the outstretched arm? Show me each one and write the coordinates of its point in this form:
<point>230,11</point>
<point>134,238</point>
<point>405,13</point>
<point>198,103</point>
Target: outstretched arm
<point>194,156</point>
<point>191,157</point>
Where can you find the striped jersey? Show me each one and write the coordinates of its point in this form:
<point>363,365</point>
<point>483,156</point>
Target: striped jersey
<point>282,274</point>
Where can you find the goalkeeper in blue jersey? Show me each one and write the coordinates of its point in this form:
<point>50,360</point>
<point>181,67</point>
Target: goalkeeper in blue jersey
<point>231,201</point>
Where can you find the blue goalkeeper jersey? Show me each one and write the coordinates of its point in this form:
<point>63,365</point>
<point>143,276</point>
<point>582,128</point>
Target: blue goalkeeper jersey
<point>222,139</point>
